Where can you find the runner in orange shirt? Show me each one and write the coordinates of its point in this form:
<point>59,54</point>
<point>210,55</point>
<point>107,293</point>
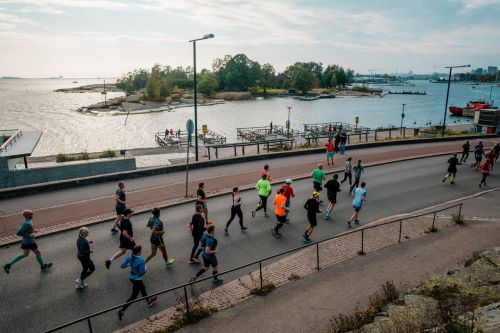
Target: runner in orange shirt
<point>280,211</point>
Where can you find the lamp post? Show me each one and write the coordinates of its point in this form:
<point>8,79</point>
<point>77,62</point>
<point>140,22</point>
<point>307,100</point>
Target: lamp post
<point>196,92</point>
<point>288,123</point>
<point>448,94</point>
<point>402,117</point>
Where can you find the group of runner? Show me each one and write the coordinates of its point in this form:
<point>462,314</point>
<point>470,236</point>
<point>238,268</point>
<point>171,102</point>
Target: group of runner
<point>485,167</point>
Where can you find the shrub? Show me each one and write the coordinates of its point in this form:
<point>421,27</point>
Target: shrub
<point>458,219</point>
<point>63,158</point>
<point>84,156</point>
<point>107,153</point>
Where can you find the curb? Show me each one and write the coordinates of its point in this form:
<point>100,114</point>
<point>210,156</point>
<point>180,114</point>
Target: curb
<point>12,239</point>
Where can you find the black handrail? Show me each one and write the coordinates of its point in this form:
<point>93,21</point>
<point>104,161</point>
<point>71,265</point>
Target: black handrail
<point>358,230</point>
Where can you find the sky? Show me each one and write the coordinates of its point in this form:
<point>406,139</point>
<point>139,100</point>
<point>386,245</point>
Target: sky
<point>107,38</point>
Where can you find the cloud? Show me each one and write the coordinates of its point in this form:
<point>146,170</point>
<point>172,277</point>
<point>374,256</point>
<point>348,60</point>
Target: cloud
<point>58,6</point>
<point>477,4</point>
<point>11,21</point>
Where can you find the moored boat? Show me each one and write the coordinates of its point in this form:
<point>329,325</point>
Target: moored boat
<point>468,111</point>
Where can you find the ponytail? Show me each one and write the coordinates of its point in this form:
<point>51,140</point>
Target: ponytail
<point>135,252</point>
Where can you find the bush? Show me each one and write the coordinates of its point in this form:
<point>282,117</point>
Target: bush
<point>107,153</point>
<point>84,156</point>
<point>266,289</point>
<point>234,96</point>
<point>62,158</point>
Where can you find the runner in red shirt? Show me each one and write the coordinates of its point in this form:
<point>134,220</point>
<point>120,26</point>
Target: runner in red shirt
<point>288,195</point>
<point>265,171</point>
<point>329,151</point>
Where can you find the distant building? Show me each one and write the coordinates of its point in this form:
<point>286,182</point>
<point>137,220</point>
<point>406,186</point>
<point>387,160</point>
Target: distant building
<point>477,71</point>
<point>492,69</point>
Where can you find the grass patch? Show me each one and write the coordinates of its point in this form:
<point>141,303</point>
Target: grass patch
<point>293,277</point>
<point>107,154</point>
<point>196,314</point>
<point>234,96</point>
<point>254,286</point>
<point>266,289</point>
<point>458,219</point>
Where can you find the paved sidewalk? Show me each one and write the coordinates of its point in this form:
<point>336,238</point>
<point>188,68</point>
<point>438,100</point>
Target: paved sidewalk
<point>307,305</point>
<point>77,213</point>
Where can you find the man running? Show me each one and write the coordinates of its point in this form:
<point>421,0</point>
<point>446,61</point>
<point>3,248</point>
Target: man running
<point>198,223</point>
<point>121,202</point>
<point>452,169</point>
<point>264,188</point>
<point>478,155</point>
<point>312,206</point>
<point>332,188</point>
<point>209,258</point>
<point>465,152</point>
<point>343,142</point>
<point>337,141</point>
<point>280,211</point>
<point>27,234</point>
<point>235,210</point>
<point>358,170</point>
<point>347,171</point>
<point>83,255</point>
<point>485,171</point>
<point>289,194</point>
<point>137,271</point>
<point>359,195</point>
<point>126,237</point>
<point>318,175</point>
<point>201,199</point>
<point>156,238</point>
<point>329,151</point>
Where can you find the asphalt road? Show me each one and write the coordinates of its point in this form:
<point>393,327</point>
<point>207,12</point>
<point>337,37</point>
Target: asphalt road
<point>32,301</point>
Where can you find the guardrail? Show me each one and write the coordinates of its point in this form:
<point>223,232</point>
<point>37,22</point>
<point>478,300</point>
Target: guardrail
<point>13,138</point>
<point>362,247</point>
<point>268,144</point>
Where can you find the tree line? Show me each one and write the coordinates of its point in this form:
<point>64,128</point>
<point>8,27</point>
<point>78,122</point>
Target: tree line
<point>235,73</point>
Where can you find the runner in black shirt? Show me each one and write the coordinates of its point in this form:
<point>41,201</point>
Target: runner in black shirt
<point>452,169</point>
<point>120,206</point>
<point>465,152</point>
<point>198,229</point>
<point>201,199</point>
<point>333,187</point>
<point>312,206</point>
<point>126,237</point>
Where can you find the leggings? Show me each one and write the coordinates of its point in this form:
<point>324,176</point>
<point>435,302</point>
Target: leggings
<point>483,180</point>
<point>235,210</point>
<point>356,183</point>
<point>464,157</point>
<point>262,203</point>
<point>88,267</point>
<point>196,239</point>
<point>137,287</point>
<point>346,176</point>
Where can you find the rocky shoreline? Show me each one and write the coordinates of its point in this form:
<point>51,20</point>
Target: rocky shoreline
<point>111,87</point>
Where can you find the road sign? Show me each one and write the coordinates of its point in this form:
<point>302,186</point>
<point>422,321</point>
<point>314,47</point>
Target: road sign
<point>356,120</point>
<point>190,126</point>
<point>204,129</point>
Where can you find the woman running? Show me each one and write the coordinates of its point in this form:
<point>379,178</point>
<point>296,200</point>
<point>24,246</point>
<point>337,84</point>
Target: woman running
<point>264,188</point>
<point>198,223</point>
<point>126,237</point>
<point>156,239</point>
<point>137,271</point>
<point>83,255</point>
<point>485,170</point>
<point>235,210</point>
<point>347,171</point>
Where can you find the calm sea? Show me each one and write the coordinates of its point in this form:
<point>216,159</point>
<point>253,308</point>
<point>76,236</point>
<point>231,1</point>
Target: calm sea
<point>32,104</point>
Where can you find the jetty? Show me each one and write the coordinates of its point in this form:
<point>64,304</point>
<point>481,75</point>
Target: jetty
<point>407,92</point>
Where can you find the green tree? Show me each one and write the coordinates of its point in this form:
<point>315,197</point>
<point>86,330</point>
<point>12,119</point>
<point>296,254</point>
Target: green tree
<point>333,81</point>
<point>267,77</point>
<point>153,85</point>
<point>207,84</point>
<point>301,77</point>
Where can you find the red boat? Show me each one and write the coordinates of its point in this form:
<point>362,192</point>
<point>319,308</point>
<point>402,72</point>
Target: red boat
<point>470,109</point>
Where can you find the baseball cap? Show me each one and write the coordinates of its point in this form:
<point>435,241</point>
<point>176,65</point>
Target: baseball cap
<point>288,181</point>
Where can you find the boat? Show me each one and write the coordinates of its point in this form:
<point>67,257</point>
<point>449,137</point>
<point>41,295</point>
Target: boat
<point>307,98</point>
<point>470,109</point>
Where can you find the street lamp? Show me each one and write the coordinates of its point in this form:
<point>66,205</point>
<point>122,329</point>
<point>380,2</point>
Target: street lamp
<point>196,92</point>
<point>402,117</point>
<point>288,123</point>
<point>448,94</point>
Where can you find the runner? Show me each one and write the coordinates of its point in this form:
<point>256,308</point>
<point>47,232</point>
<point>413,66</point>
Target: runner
<point>465,152</point>
<point>337,141</point>
<point>478,155</point>
<point>121,202</point>
<point>318,176</point>
<point>312,206</point>
<point>201,199</point>
<point>27,234</point>
<point>329,151</point>
<point>497,151</point>
<point>490,157</point>
<point>485,170</point>
<point>83,255</point>
<point>136,276</point>
<point>265,171</point>
<point>343,142</point>
<point>332,188</point>
<point>235,210</point>
<point>347,171</point>
<point>280,211</point>
<point>358,170</point>
<point>264,188</point>
<point>359,197</point>
<point>156,239</point>
<point>209,258</point>
<point>452,169</point>
<point>126,237</point>
<point>289,194</point>
<point>198,224</point>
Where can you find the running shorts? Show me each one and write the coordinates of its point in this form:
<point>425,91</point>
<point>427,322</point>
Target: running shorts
<point>31,246</point>
<point>207,262</point>
<point>333,200</point>
<point>357,208</point>
<point>317,186</point>
<point>312,220</point>
<point>126,244</point>
<point>157,241</point>
<point>329,154</point>
<point>281,219</point>
<point>120,210</point>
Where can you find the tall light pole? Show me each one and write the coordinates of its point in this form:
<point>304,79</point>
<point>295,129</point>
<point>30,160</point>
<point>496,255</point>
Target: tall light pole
<point>288,123</point>
<point>402,117</point>
<point>448,94</point>
<point>196,92</point>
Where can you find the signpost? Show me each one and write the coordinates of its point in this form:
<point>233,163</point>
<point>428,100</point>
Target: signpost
<point>190,130</point>
<point>402,117</point>
<point>356,121</point>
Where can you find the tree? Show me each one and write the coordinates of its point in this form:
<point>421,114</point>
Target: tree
<point>302,78</point>
<point>241,73</point>
<point>267,77</point>
<point>333,81</point>
<point>207,84</point>
<point>153,85</point>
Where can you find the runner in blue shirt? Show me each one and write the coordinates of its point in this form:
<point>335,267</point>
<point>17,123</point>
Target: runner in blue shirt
<point>359,195</point>
<point>208,255</point>
<point>156,239</point>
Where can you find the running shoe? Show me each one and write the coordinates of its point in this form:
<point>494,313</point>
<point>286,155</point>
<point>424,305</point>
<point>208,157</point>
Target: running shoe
<point>266,214</point>
<point>113,230</point>
<point>79,284</point>
<point>243,228</point>
<point>253,213</point>
<point>192,279</point>
<point>120,314</point>
<point>356,221</point>
<point>153,301</point>
<point>6,268</point>
<point>194,261</point>
<point>108,263</point>
<point>274,233</point>
<point>306,239</point>
<point>349,224</point>
<point>218,281</point>
<point>226,232</point>
<point>46,267</point>
<point>452,183</point>
<point>169,262</point>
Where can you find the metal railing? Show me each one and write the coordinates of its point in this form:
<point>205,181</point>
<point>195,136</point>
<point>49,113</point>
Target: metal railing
<point>266,144</point>
<point>362,247</point>
<point>13,138</point>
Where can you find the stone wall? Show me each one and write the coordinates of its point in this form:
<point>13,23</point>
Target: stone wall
<point>22,177</point>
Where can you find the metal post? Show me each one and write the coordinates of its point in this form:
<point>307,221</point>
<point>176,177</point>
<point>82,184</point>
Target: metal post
<point>187,303</point>
<point>400,229</point>
<point>258,149</point>
<point>390,130</point>
<point>209,153</point>
<point>402,117</point>
<point>446,104</point>
<point>195,103</point>
<point>404,132</point>
<point>288,124</point>
<point>361,252</point>
<point>235,151</point>
<point>317,256</point>
<point>433,220</point>
<point>243,150</point>
<point>260,272</point>
<point>375,135</point>
<point>25,162</point>
<point>90,325</point>
<point>187,167</point>
<point>366,134</point>
<point>460,213</point>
